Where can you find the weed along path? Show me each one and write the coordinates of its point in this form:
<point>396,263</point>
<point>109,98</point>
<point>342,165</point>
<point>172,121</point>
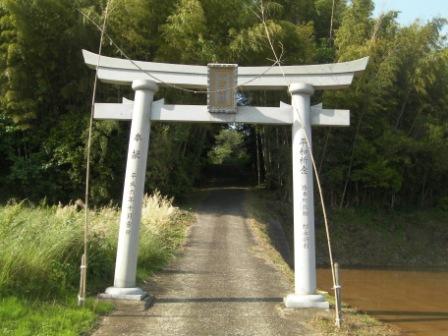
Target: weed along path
<point>220,284</point>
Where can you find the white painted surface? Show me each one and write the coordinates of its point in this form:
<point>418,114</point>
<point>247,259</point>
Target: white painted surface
<point>119,293</point>
<point>109,111</point>
<point>321,76</point>
<point>306,301</point>
<point>144,75</point>
<point>127,251</point>
<point>303,203</point>
<point>329,117</point>
<point>246,114</point>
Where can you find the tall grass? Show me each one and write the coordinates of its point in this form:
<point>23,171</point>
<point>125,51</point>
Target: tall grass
<point>40,251</point>
<point>41,246</point>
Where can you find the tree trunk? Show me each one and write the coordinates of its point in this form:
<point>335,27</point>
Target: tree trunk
<point>403,108</point>
<point>350,166</point>
<point>263,151</point>
<point>324,151</point>
<point>277,158</point>
<point>258,156</point>
<point>423,192</point>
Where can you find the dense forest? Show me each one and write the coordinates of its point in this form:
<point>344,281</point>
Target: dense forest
<point>395,154</point>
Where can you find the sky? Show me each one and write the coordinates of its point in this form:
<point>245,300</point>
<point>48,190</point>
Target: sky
<point>413,9</point>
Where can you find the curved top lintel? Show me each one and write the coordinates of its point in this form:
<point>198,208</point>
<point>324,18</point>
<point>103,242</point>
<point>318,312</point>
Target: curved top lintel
<point>321,76</point>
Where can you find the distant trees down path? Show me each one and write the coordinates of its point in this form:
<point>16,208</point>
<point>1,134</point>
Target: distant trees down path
<point>395,153</point>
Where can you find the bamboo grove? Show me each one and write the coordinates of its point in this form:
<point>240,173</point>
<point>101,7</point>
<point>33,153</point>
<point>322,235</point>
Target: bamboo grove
<point>395,154</point>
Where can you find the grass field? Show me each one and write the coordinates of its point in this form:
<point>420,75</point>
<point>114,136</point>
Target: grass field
<point>40,253</point>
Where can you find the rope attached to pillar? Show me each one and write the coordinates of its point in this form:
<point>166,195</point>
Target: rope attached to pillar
<point>336,286</point>
<point>83,268</point>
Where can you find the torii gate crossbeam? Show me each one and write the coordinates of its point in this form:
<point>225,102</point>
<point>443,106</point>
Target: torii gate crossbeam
<point>321,77</point>
<point>282,115</point>
<point>301,82</point>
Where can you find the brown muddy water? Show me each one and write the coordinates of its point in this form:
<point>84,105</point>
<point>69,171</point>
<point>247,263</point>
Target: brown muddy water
<point>415,301</point>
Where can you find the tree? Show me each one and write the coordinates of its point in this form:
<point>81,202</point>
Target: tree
<point>229,148</point>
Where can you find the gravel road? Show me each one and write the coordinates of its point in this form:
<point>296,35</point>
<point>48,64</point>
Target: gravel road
<point>218,285</point>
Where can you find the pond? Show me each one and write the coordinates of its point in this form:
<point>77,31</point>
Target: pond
<point>414,300</point>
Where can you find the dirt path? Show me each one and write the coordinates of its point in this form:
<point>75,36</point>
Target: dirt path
<point>217,286</point>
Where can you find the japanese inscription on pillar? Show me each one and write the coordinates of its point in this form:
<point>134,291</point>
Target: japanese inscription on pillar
<point>305,213</point>
<point>131,197</point>
<point>304,170</point>
<point>303,156</point>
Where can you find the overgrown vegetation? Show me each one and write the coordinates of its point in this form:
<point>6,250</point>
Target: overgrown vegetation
<point>366,236</point>
<point>229,148</point>
<point>394,155</point>
<point>369,236</point>
<point>40,256</point>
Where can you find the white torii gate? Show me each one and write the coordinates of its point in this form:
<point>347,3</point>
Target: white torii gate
<point>301,82</point>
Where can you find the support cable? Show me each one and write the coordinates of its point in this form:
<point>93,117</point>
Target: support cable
<point>160,81</point>
<point>313,161</point>
<point>331,21</point>
<point>83,276</point>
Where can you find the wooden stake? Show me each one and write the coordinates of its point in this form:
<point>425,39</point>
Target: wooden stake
<point>82,281</point>
<point>337,292</point>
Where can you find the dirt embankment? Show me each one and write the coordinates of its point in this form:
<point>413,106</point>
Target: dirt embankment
<point>367,237</point>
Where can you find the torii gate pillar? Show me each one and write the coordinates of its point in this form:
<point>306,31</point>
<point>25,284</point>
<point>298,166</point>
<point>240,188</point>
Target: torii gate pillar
<point>303,200</point>
<point>131,210</point>
<point>301,116</point>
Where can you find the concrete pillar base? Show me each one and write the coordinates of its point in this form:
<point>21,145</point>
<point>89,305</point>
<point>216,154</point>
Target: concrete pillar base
<point>132,294</point>
<point>306,301</point>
